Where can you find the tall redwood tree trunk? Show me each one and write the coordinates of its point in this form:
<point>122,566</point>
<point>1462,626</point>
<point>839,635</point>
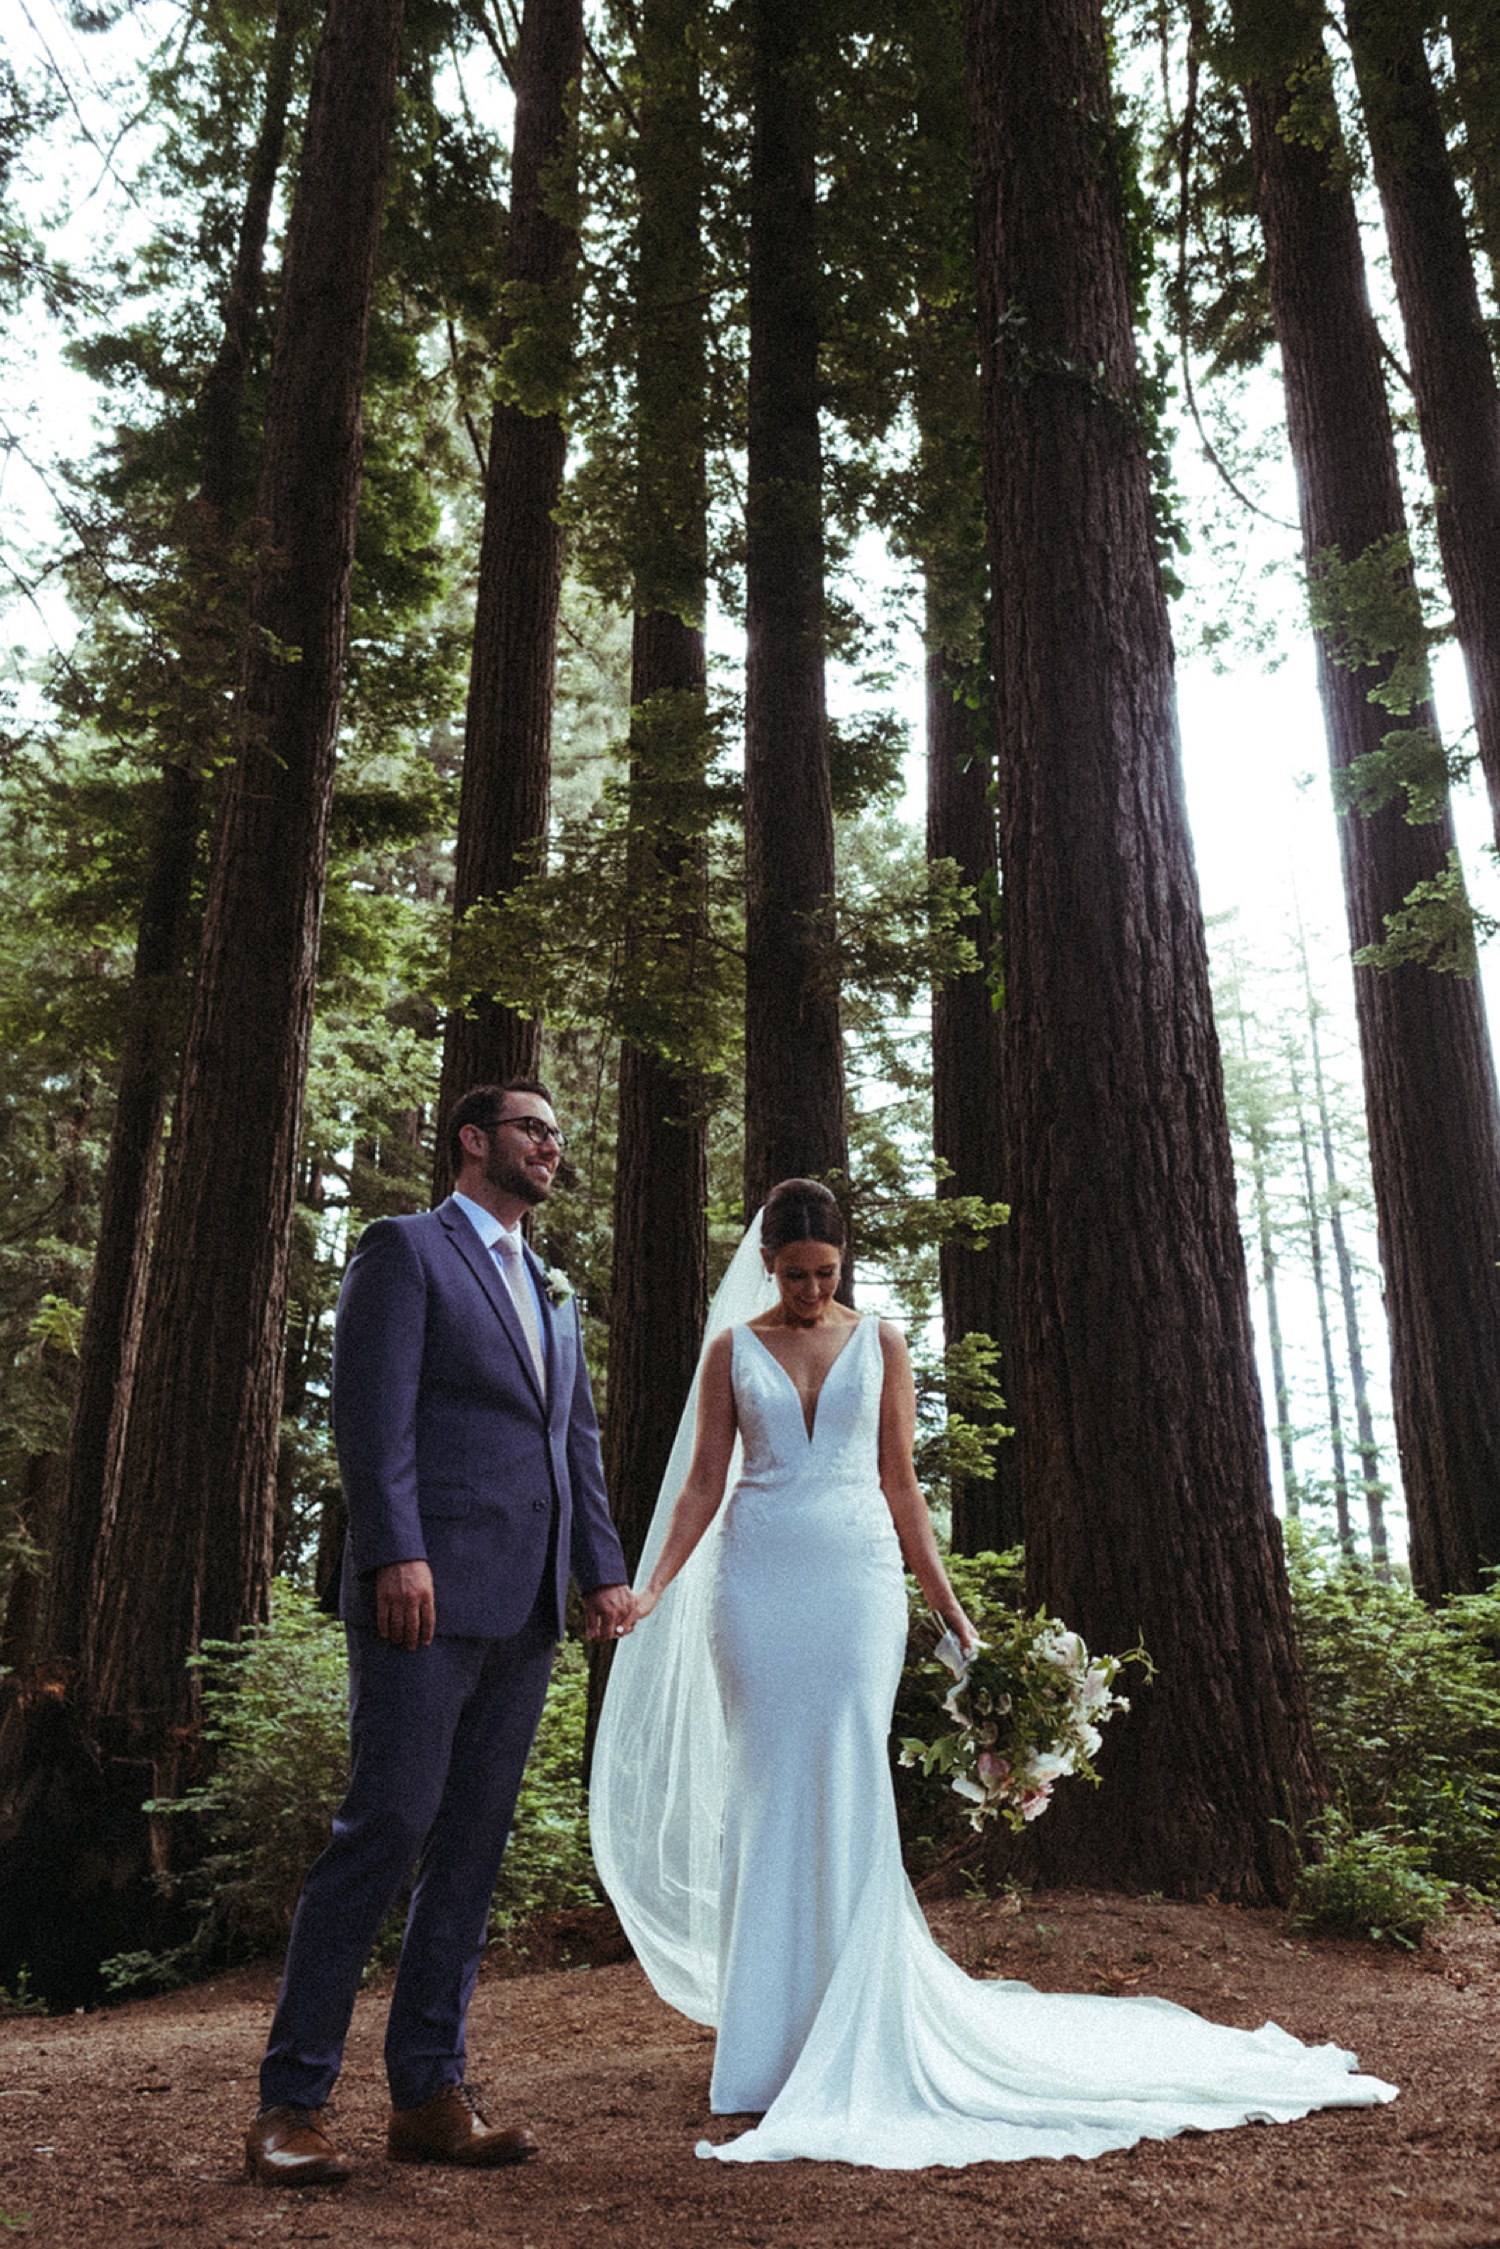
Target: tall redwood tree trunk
<point>189,1557</point>
<point>1474,35</point>
<point>794,1067</point>
<point>947,539</point>
<point>661,1159</point>
<point>507,771</point>
<point>1142,1440</point>
<point>111,1329</point>
<point>1453,375</point>
<point>1430,1098</point>
<point>968,1078</point>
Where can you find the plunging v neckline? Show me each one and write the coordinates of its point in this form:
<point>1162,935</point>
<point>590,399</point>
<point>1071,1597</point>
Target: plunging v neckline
<point>809,1427</point>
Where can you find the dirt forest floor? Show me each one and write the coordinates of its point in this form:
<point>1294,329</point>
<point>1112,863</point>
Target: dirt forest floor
<point>122,2130</point>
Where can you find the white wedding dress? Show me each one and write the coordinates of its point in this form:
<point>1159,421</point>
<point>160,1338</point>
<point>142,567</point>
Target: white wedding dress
<point>752,1852</point>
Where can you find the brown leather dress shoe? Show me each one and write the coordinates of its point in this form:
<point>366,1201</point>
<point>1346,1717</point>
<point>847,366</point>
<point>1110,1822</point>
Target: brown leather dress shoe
<point>453,2128</point>
<point>288,2147</point>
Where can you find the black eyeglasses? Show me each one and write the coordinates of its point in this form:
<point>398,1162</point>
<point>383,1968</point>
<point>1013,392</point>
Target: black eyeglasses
<point>536,1129</point>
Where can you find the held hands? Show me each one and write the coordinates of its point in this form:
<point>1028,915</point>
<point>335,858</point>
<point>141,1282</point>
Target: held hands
<point>609,1612</point>
<point>406,1611</point>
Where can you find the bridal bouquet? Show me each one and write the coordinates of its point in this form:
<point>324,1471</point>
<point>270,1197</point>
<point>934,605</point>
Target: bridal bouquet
<point>1028,1706</point>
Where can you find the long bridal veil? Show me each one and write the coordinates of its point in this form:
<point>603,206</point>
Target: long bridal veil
<point>656,1800</point>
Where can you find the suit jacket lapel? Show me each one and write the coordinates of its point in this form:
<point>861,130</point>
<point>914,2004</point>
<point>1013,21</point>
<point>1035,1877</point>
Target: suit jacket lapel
<point>481,1263</point>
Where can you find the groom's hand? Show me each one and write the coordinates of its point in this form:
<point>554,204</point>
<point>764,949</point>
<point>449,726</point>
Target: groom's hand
<point>608,1612</point>
<point>405,1606</point>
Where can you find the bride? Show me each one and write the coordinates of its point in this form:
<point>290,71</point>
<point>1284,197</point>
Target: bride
<point>742,1812</point>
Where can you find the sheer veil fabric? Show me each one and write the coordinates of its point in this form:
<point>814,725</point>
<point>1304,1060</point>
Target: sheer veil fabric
<point>656,1802</point>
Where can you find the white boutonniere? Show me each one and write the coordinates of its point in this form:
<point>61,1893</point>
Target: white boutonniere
<point>559,1287</point>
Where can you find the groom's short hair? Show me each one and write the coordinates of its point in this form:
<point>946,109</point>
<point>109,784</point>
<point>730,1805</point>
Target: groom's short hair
<point>482,1105</point>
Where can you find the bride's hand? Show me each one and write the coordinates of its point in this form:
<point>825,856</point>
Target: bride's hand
<point>965,1633</point>
<point>645,1601</point>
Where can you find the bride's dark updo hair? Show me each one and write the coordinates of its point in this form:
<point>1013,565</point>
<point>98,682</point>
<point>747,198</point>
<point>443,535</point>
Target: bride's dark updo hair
<point>800,1210</point>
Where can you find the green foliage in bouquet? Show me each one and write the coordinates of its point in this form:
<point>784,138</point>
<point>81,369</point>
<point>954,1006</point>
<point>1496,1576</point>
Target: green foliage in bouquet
<point>1027,1712</point>
<point>932,1818</point>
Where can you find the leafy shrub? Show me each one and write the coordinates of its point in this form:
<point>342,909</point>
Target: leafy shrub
<point>1406,1706</point>
<point>275,1711</point>
<point>275,1706</point>
<point>20,1999</point>
<point>1366,1884</point>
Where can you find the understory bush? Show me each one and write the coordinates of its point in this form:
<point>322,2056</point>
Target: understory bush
<point>1405,1703</point>
<point>1406,1707</point>
<point>1365,1883</point>
<point>275,1710</point>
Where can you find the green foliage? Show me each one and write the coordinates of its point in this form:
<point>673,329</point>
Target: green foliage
<point>1406,1704</point>
<point>21,2000</point>
<point>26,112</point>
<point>866,757</point>
<point>950,1445</point>
<point>1439,927</point>
<point>1369,612</point>
<point>1365,1884</point>
<point>581,941</point>
<point>1411,762</point>
<point>932,1817</point>
<point>1026,1713</point>
<point>275,1708</point>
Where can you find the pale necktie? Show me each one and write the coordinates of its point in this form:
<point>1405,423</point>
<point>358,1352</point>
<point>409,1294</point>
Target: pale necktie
<point>507,1247</point>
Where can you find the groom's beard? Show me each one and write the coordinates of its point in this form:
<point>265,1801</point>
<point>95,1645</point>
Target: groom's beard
<point>512,1178</point>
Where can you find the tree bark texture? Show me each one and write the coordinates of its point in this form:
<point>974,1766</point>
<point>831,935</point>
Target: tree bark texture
<point>1140,1427</point>
<point>189,1556</point>
<point>1430,1099</point>
<point>794,1068</point>
<point>111,1329</point>
<point>661,1159</point>
<point>507,770</point>
<point>968,1083</point>
<point>1453,375</point>
<point>1474,36</point>
<point>661,1149</point>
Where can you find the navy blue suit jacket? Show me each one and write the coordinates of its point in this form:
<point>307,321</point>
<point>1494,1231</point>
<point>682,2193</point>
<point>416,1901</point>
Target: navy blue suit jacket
<point>447,1451</point>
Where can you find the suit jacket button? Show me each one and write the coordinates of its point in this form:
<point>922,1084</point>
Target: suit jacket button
<point>539,1507</point>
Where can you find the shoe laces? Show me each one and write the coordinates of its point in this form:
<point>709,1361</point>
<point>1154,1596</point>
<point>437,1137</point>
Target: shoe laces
<point>472,2100</point>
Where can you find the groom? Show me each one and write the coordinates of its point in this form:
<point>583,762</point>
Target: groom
<point>469,1456</point>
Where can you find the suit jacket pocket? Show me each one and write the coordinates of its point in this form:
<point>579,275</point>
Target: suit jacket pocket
<point>444,1499</point>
